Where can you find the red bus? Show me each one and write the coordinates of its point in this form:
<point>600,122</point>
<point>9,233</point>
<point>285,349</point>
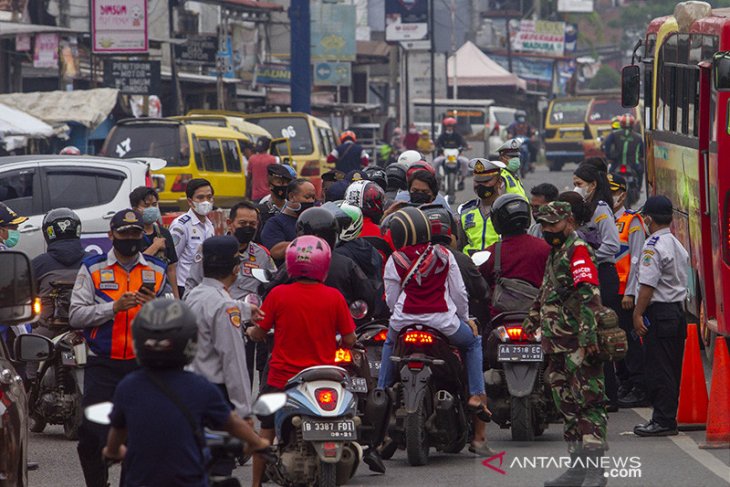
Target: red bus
<point>686,80</point>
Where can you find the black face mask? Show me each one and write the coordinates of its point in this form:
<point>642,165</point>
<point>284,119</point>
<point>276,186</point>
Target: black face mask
<point>555,239</point>
<point>127,247</point>
<point>244,234</point>
<point>306,205</point>
<point>279,191</point>
<point>420,198</point>
<point>484,191</point>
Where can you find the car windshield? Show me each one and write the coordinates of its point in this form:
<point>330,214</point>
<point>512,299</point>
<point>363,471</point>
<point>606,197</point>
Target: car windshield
<point>296,129</point>
<point>568,112</point>
<point>146,141</point>
<point>602,111</point>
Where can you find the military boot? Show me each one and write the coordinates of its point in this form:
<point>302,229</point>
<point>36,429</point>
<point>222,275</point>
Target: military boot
<point>594,472</point>
<point>573,477</point>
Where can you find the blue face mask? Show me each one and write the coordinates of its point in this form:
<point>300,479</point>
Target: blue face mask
<point>13,238</point>
<point>150,215</point>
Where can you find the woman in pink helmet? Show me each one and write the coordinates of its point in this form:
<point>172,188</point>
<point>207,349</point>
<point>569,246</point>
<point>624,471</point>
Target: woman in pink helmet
<point>303,312</point>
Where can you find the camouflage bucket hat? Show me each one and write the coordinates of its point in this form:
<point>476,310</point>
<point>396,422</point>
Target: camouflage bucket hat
<point>553,212</point>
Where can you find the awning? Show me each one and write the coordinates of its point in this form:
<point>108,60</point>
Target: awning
<point>87,107</point>
<point>471,67</point>
<point>373,49</point>
<point>17,122</point>
<point>8,29</point>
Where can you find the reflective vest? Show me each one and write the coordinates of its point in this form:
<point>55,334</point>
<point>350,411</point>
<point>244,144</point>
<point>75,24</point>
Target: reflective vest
<point>623,257</point>
<point>113,339</point>
<point>512,184</point>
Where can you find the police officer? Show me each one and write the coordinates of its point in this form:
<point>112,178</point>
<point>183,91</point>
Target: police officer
<point>109,291</point>
<point>509,155</point>
<point>191,229</point>
<point>221,355</point>
<point>280,175</point>
<point>476,229</point>
<point>659,315</point>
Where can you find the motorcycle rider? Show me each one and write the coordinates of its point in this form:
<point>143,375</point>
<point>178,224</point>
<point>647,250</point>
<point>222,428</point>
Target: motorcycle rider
<point>306,311</point>
<point>349,155</point>
<point>359,250</point>
<point>522,128</point>
<point>280,175</point>
<point>425,182</point>
<point>541,194</point>
<point>425,144</point>
<point>451,139</point>
<point>370,198</point>
<point>377,175</point>
<point>148,430</point>
<point>409,157</point>
<point>280,229</point>
<point>396,178</point>
<point>628,148</point>
<point>609,143</point>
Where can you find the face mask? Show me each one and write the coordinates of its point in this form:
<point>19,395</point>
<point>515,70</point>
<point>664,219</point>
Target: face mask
<point>279,191</point>
<point>13,238</point>
<point>244,234</point>
<point>305,205</point>
<point>556,239</point>
<point>581,191</point>
<point>449,131</point>
<point>203,207</point>
<point>150,215</point>
<point>420,198</point>
<point>127,247</point>
<point>411,131</point>
<point>484,191</point>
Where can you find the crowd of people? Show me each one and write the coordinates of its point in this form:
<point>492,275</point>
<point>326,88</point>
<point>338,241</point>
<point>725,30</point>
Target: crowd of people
<point>385,236</point>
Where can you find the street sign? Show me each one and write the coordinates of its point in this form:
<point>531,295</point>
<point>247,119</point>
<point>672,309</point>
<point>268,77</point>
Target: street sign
<point>332,74</point>
<point>576,6</point>
<point>119,26</point>
<point>272,75</point>
<point>197,50</point>
<point>416,45</point>
<point>132,77</point>
<point>406,20</point>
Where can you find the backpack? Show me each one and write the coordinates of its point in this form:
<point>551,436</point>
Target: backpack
<point>56,304</point>
<point>510,294</point>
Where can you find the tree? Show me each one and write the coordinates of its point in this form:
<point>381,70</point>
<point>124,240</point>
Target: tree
<point>606,78</point>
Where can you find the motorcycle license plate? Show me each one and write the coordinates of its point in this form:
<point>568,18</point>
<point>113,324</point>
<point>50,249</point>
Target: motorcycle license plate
<point>326,430</point>
<point>519,353</point>
<point>68,358</point>
<point>358,384</point>
<point>374,356</point>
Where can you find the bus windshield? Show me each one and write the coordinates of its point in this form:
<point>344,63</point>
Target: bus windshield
<point>296,129</point>
<point>143,140</point>
<point>568,112</point>
<point>602,111</point>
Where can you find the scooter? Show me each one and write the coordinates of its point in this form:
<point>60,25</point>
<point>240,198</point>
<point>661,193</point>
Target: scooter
<point>517,391</point>
<point>451,168</point>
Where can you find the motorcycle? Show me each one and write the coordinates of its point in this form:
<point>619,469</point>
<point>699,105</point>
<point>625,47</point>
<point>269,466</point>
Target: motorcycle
<point>431,396</point>
<point>525,166</point>
<point>451,169</point>
<point>517,390</point>
<point>633,183</point>
<point>316,430</point>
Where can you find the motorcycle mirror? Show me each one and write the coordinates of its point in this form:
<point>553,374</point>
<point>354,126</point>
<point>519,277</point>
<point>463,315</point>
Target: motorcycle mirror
<point>268,404</point>
<point>99,413</point>
<point>480,257</point>
<point>260,275</point>
<point>358,309</point>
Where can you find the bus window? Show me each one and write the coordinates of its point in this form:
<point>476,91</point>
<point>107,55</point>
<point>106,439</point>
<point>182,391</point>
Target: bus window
<point>212,155</point>
<point>709,46</point>
<point>230,150</point>
<point>683,48</point>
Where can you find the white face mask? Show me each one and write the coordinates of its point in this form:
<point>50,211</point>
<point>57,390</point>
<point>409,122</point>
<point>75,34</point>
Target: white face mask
<point>581,191</point>
<point>202,207</point>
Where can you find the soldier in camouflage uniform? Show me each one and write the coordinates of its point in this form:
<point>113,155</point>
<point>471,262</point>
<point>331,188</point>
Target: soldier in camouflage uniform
<point>564,313</point>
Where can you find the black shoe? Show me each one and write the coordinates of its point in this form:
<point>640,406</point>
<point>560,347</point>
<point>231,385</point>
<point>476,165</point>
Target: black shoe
<point>612,408</point>
<point>32,466</point>
<point>623,391</point>
<point>594,475</point>
<point>655,429</point>
<point>573,477</point>
<point>634,399</point>
<point>373,460</point>
<point>461,185</point>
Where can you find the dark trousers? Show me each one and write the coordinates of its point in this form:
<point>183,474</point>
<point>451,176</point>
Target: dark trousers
<point>101,376</point>
<point>664,344</point>
<point>630,370</point>
<point>609,282</point>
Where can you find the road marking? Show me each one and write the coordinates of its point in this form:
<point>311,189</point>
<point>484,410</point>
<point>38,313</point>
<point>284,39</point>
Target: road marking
<point>687,445</point>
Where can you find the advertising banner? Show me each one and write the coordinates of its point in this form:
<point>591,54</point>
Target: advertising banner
<point>119,26</point>
<point>575,6</point>
<point>540,37</point>
<point>406,20</point>
<point>272,75</point>
<point>333,32</point>
<point>45,52</point>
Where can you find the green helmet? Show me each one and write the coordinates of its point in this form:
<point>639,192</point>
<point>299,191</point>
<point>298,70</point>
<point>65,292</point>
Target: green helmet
<point>353,231</point>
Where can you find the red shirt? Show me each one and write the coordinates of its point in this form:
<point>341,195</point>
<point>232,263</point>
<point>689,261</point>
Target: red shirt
<point>257,167</point>
<point>306,317</point>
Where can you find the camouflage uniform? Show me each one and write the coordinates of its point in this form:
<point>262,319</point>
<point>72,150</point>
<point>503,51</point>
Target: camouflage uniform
<point>565,315</point>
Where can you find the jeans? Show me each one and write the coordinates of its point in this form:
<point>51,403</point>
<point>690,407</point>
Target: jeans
<point>469,345</point>
<point>463,165</point>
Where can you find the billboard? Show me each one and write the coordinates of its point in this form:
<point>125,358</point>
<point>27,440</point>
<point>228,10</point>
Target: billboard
<point>45,52</point>
<point>406,20</point>
<point>119,26</point>
<point>575,6</point>
<point>540,37</point>
<point>333,32</point>
<point>272,75</point>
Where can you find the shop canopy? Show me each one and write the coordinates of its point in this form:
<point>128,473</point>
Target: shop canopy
<point>16,122</point>
<point>474,68</point>
<point>86,107</point>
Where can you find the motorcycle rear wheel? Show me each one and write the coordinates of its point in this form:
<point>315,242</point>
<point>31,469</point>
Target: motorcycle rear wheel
<point>327,474</point>
<point>72,424</point>
<point>521,420</point>
<point>416,437</point>
<point>37,424</point>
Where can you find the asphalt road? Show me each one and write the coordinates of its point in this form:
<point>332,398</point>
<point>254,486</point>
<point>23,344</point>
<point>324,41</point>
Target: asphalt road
<point>667,462</point>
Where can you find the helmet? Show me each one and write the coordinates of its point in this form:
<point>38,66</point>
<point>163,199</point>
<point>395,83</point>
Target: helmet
<point>420,166</point>
<point>319,222</point>
<point>510,214</point>
<point>510,148</point>
<point>348,134</point>
<point>616,122</point>
<point>308,256</point>
<point>442,222</point>
<point>70,150</point>
<point>61,224</point>
<point>409,226</point>
<point>449,122</point>
<point>396,176</point>
<point>425,132</point>
<point>627,121</point>
<point>377,175</point>
<point>520,115</point>
<point>165,333</point>
<point>410,157</point>
<point>352,231</point>
<point>367,196</point>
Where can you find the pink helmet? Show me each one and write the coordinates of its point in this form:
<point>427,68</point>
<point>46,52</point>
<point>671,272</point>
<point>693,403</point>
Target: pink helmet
<point>70,150</point>
<point>308,256</point>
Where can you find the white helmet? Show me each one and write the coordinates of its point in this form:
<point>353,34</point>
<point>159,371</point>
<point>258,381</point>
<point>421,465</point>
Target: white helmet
<point>410,157</point>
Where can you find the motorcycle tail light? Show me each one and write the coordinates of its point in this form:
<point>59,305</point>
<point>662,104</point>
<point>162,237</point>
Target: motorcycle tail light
<point>516,333</point>
<point>326,398</point>
<point>418,338</point>
<point>181,182</point>
<point>623,169</point>
<point>37,307</point>
<point>414,365</point>
<point>330,449</point>
<point>343,356</point>
<point>381,336</point>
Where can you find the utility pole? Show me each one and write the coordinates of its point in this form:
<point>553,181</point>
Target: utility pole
<point>177,107</point>
<point>509,46</point>
<point>300,48</point>
<point>455,89</point>
<point>432,35</point>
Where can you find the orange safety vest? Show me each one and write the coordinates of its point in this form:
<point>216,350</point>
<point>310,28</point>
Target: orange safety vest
<point>113,339</point>
<point>623,257</point>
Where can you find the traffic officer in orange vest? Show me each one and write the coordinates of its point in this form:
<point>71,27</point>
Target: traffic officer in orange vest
<point>632,234</point>
<point>109,291</point>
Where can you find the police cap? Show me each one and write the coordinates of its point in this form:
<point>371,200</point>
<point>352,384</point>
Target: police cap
<point>9,217</point>
<point>220,251</point>
<point>280,170</point>
<point>333,175</point>
<point>126,220</point>
<point>658,205</point>
<point>617,182</point>
<point>485,170</point>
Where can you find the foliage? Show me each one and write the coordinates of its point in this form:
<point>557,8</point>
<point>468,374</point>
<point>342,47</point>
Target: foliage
<point>605,78</point>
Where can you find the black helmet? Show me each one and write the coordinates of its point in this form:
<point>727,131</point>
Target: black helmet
<point>318,222</point>
<point>165,334</point>
<point>396,174</point>
<point>442,222</point>
<point>378,176</point>
<point>61,224</point>
<point>510,214</point>
<point>409,226</point>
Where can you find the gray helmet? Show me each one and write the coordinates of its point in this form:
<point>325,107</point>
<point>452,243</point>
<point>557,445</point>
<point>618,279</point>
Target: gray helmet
<point>396,174</point>
<point>510,214</point>
<point>510,148</point>
<point>165,333</point>
<point>61,224</point>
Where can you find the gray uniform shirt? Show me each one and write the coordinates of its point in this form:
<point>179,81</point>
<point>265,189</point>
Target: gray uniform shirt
<point>254,257</point>
<point>637,237</point>
<point>664,264</point>
<point>188,233</point>
<point>601,234</point>
<point>221,353</point>
<point>535,230</point>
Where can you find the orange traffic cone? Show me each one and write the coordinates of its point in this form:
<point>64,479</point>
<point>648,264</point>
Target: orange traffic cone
<point>718,421</point>
<point>692,410</point>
